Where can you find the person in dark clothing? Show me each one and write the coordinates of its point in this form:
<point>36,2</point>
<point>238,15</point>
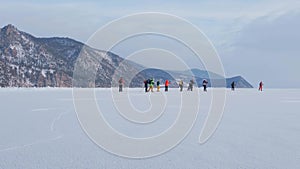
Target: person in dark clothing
<point>260,86</point>
<point>232,86</point>
<point>157,86</point>
<point>121,83</point>
<point>146,85</point>
<point>204,84</point>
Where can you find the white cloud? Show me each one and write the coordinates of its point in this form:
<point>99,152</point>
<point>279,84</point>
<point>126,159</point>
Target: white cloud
<point>79,19</point>
<point>268,49</point>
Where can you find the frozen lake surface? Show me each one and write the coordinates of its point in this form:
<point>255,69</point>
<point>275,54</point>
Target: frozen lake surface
<point>39,129</point>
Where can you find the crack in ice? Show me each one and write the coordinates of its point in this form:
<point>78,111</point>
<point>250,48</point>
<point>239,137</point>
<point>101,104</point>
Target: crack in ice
<point>58,118</point>
<point>42,140</point>
<point>31,144</point>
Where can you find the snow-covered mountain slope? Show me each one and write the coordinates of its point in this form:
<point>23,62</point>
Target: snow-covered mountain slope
<point>27,61</point>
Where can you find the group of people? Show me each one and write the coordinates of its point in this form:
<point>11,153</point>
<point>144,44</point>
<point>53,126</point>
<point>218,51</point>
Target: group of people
<point>149,85</point>
<point>190,85</point>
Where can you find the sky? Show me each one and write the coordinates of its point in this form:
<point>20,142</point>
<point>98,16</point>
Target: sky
<point>258,39</point>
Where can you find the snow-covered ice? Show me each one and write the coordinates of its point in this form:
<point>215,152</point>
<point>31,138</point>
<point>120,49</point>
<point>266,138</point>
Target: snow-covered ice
<point>39,129</point>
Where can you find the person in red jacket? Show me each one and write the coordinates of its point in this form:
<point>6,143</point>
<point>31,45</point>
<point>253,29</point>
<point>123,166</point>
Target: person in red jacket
<point>167,85</point>
<point>260,86</point>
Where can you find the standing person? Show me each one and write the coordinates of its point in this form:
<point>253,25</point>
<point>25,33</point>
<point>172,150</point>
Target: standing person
<point>146,85</point>
<point>158,85</point>
<point>181,85</point>
<point>204,84</point>
<point>232,86</point>
<point>191,84</point>
<point>167,85</point>
<point>151,84</point>
<point>121,83</point>
<point>148,82</point>
<point>260,86</point>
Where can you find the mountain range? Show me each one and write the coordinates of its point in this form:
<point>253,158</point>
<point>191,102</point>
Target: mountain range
<point>29,61</point>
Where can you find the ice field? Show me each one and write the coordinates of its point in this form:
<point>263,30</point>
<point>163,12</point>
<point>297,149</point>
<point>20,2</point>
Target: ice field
<point>39,129</point>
